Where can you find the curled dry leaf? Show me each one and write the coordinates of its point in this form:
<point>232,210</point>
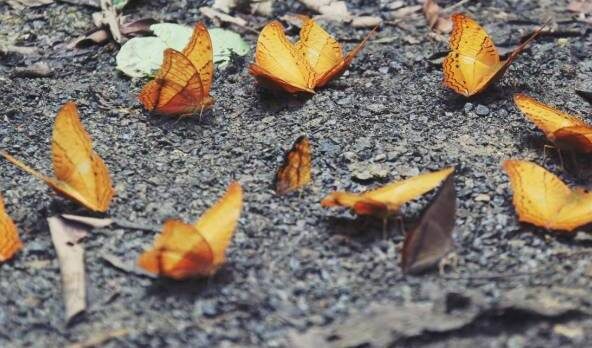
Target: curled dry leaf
<point>182,85</point>
<point>432,239</point>
<point>565,131</point>
<point>295,172</point>
<point>10,243</point>
<point>65,237</point>
<point>72,157</point>
<point>312,62</point>
<point>436,20</point>
<point>183,251</point>
<point>388,199</point>
<point>542,199</point>
<point>473,62</point>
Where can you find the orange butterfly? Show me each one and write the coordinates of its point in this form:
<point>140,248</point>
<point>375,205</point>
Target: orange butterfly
<point>182,85</point>
<point>295,172</point>
<point>81,175</point>
<point>312,62</point>
<point>473,62</point>
<point>542,199</point>
<point>182,251</point>
<point>10,242</point>
<point>388,199</point>
<point>565,131</point>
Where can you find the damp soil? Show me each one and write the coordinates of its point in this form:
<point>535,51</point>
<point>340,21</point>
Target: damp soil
<point>292,265</point>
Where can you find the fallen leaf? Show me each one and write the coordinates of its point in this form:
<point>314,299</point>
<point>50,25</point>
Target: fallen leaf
<point>329,9</point>
<point>366,22</point>
<point>580,6</point>
<point>432,240</point>
<point>65,237</point>
<point>436,20</point>
<point>39,69</point>
<point>98,339</point>
<point>143,56</point>
<point>405,11</point>
<point>21,4</point>
<point>221,16</point>
<point>89,221</point>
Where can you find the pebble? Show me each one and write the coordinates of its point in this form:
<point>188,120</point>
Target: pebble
<point>482,110</point>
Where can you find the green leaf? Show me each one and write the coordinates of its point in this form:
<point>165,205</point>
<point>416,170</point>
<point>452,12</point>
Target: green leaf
<point>143,56</point>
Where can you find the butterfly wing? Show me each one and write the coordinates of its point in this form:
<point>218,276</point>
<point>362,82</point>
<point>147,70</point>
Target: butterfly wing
<point>278,63</point>
<point>10,242</point>
<point>179,252</point>
<point>473,59</point>
<point>577,138</point>
<point>559,127</point>
<point>200,53</point>
<point>217,224</point>
<point>432,239</point>
<point>320,49</point>
<point>389,198</point>
<point>76,164</point>
<point>176,89</point>
<point>539,196</point>
<point>295,172</point>
<point>398,193</point>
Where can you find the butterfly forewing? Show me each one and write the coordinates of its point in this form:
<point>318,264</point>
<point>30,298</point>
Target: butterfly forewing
<point>200,53</point>
<point>321,50</point>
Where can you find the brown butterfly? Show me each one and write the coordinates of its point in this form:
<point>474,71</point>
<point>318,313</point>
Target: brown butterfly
<point>295,172</point>
<point>566,131</point>
<point>182,85</point>
<point>183,251</point>
<point>473,62</point>
<point>80,174</point>
<point>10,243</point>
<point>432,239</point>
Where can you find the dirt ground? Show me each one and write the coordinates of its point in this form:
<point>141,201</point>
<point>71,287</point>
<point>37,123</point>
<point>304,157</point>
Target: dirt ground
<point>296,271</point>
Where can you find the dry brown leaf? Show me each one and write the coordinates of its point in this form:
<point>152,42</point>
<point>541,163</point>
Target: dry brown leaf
<point>580,6</point>
<point>65,237</point>
<point>436,20</point>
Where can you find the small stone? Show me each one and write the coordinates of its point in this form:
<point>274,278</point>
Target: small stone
<point>482,198</point>
<point>572,332</point>
<point>350,156</point>
<point>482,110</point>
<point>468,107</point>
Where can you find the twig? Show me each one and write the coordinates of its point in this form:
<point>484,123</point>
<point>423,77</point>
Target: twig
<point>110,18</point>
<point>458,4</point>
<point>494,275</point>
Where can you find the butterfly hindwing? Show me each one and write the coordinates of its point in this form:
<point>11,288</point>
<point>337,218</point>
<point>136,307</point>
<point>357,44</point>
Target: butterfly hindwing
<point>10,242</point>
<point>295,172</point>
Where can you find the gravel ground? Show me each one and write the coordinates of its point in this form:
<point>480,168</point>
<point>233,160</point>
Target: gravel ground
<point>292,265</point>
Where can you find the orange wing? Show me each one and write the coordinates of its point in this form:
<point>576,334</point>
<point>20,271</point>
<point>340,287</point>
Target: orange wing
<point>324,53</point>
<point>10,242</point>
<point>279,64</point>
<point>182,84</point>
<point>473,62</point>
<point>81,175</point>
<point>566,131</point>
<point>295,172</point>
<point>179,252</point>
<point>184,251</point>
<point>388,199</point>
<point>542,199</point>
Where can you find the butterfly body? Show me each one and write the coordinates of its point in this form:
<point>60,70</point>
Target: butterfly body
<point>182,85</point>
